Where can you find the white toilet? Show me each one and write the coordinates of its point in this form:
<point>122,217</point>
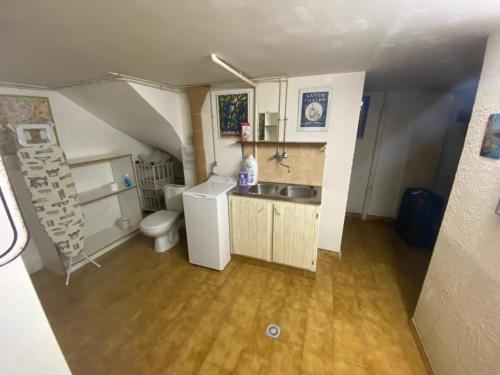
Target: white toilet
<point>162,225</point>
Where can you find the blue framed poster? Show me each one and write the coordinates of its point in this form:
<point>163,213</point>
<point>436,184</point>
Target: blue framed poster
<point>491,140</point>
<point>233,107</point>
<point>314,109</point>
<point>363,116</point>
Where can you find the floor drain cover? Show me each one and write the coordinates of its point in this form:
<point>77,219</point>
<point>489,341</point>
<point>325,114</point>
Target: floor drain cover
<point>273,331</point>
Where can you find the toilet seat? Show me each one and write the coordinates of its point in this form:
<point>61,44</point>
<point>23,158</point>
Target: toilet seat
<point>159,220</point>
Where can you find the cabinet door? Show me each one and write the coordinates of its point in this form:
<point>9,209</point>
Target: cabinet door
<point>295,234</point>
<point>251,227</point>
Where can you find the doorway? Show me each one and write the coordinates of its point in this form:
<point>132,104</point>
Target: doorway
<point>406,139</point>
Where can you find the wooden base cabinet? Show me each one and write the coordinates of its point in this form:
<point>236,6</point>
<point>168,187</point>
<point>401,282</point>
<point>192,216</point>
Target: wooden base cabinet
<point>275,231</point>
<point>295,234</point>
<point>251,227</point>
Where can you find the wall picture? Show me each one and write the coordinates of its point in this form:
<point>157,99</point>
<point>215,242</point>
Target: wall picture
<point>314,109</point>
<point>16,110</point>
<point>491,140</point>
<point>232,109</point>
<point>363,116</point>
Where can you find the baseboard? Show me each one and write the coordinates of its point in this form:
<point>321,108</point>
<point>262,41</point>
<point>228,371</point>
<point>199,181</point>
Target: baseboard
<point>337,253</point>
<point>274,266</point>
<point>356,215</point>
<point>420,347</point>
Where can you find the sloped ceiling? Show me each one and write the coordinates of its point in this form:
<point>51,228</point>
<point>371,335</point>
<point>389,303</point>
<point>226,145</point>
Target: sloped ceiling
<point>121,106</point>
<point>424,43</point>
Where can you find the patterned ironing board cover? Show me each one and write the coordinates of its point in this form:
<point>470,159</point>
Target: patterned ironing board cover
<point>54,196</point>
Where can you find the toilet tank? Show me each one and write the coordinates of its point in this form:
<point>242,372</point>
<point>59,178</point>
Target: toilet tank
<point>173,197</point>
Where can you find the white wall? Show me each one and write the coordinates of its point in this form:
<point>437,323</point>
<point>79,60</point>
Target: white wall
<point>458,314</point>
<point>341,137</point>
<point>119,105</point>
<point>174,107</point>
<point>453,141</point>
<point>80,134</point>
<point>427,138</point>
<point>363,154</point>
<point>27,342</point>
<point>419,145</point>
<point>391,152</point>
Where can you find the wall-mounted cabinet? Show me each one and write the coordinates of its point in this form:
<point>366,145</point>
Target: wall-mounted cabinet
<point>268,126</point>
<point>275,231</point>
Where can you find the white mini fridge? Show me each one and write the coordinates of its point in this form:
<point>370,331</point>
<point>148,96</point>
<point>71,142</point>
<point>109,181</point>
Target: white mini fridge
<point>206,211</point>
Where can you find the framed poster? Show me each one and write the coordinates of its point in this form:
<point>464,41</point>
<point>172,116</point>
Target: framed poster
<point>314,109</point>
<point>491,140</point>
<point>363,116</point>
<point>233,107</point>
<point>18,109</point>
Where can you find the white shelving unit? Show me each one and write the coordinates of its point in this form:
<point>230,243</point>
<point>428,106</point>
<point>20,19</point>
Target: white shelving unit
<point>104,240</point>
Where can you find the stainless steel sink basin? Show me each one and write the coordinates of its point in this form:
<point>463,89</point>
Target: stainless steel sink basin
<point>298,192</point>
<point>263,189</point>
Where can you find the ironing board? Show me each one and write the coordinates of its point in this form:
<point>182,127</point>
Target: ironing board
<point>53,193</point>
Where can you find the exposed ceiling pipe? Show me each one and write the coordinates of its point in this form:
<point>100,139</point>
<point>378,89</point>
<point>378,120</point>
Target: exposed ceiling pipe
<point>271,79</point>
<point>83,82</point>
<point>112,76</point>
<point>23,86</point>
<point>231,70</point>
<point>147,82</point>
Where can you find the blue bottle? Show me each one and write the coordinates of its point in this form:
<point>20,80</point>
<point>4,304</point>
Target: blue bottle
<point>127,181</point>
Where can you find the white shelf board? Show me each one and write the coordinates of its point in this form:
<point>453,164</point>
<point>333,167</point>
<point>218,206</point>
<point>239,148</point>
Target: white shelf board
<point>95,158</point>
<point>105,237</point>
<point>99,193</point>
<point>102,242</point>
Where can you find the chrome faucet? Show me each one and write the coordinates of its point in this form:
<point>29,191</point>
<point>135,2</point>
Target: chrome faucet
<point>280,155</point>
<point>284,165</point>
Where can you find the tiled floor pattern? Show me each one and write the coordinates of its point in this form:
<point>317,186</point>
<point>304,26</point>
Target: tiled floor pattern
<point>149,313</point>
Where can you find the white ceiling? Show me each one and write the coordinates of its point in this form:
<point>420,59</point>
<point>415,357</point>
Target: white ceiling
<point>401,43</point>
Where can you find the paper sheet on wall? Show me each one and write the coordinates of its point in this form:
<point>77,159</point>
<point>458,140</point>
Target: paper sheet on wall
<point>188,157</point>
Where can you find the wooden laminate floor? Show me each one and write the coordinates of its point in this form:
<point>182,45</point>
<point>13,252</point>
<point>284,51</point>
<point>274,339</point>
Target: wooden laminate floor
<point>149,313</point>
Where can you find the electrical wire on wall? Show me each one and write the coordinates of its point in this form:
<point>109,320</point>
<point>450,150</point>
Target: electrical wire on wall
<point>255,120</point>
<point>285,119</point>
<point>374,158</point>
<point>279,117</point>
<point>214,164</point>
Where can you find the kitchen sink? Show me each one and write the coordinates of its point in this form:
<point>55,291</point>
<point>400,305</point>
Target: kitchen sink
<point>263,189</point>
<point>298,192</point>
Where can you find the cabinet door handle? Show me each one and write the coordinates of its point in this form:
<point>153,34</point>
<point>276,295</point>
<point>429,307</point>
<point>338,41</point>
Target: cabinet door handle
<point>260,210</point>
<point>276,210</point>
